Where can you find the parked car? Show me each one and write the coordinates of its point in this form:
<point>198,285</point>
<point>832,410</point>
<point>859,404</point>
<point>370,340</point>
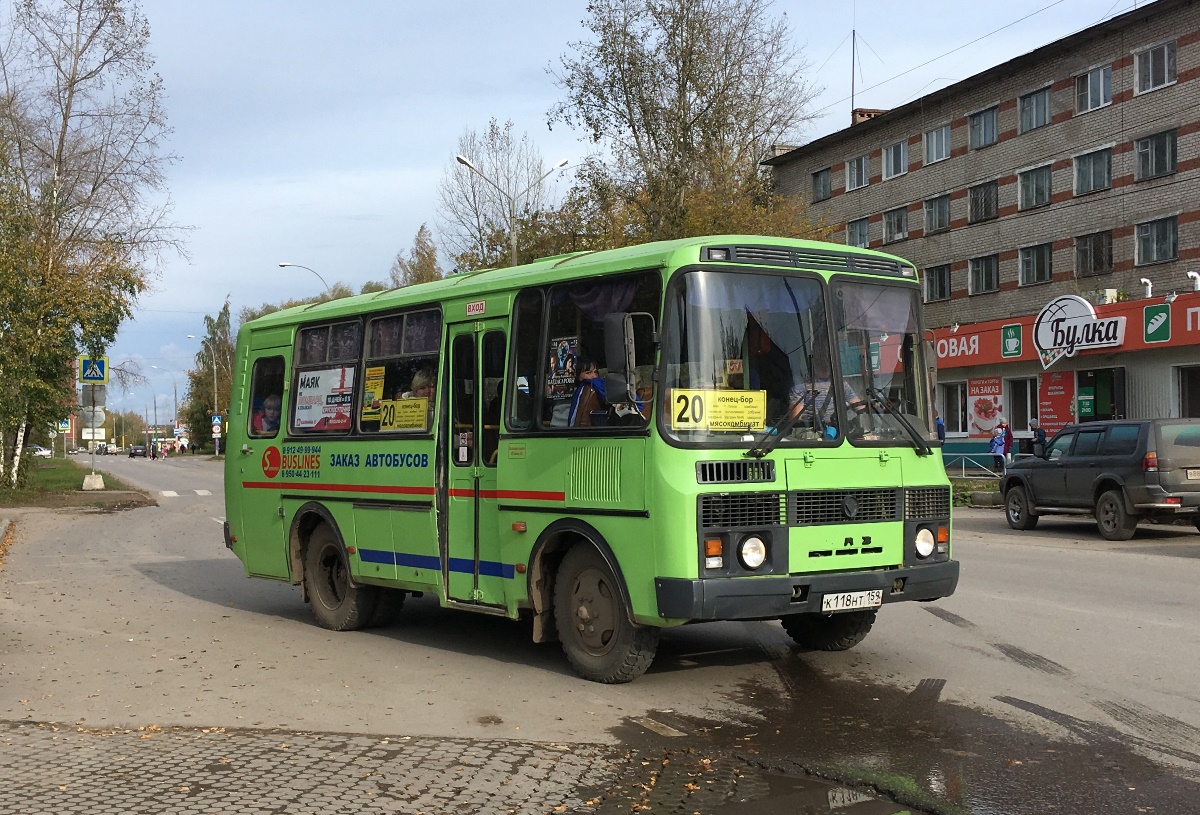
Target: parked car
<point>1121,471</point>
<point>137,450</point>
<point>39,451</point>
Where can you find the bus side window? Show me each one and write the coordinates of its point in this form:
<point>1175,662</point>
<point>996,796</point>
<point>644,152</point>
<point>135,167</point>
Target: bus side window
<point>266,397</point>
<point>528,360</point>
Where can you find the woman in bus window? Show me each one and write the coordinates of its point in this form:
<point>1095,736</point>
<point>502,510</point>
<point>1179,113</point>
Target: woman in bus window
<point>266,419</point>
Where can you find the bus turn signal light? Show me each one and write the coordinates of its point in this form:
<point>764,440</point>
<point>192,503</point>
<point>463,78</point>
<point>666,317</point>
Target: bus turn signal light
<point>943,535</point>
<point>518,526</point>
<point>712,547</point>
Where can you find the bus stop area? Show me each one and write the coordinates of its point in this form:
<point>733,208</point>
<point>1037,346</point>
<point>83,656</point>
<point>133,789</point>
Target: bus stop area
<point>65,769</point>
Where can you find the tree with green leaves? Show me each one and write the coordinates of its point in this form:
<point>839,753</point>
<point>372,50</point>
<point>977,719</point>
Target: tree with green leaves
<point>211,378</point>
<point>684,98</point>
<point>421,265</point>
<point>81,117</point>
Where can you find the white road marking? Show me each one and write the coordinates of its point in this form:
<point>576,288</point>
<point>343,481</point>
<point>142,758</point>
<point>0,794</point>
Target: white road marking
<point>169,494</point>
<point>203,492</point>
<point>219,520</point>
<point>658,727</point>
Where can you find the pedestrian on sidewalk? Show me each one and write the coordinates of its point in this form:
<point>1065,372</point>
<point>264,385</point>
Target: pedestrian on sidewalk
<point>1008,439</point>
<point>996,446</point>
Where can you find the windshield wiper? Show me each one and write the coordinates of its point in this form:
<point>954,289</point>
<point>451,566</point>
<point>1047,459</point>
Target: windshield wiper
<point>774,434</point>
<point>923,448</point>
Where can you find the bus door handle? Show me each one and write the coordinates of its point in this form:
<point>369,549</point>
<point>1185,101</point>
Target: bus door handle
<point>247,449</point>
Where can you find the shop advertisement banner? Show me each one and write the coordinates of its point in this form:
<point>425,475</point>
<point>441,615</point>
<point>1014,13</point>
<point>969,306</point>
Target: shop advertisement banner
<point>1056,396</point>
<point>985,403</point>
<point>324,399</point>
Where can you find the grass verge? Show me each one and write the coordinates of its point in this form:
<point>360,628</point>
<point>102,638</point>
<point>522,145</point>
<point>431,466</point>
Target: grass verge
<point>58,482</point>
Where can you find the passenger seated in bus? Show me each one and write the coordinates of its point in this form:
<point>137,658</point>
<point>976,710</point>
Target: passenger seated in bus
<point>422,385</point>
<point>588,405</point>
<point>266,418</point>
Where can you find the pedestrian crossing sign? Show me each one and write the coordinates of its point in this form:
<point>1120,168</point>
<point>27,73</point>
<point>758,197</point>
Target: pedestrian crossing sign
<point>93,370</point>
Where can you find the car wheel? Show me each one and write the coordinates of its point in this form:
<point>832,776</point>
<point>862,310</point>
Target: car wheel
<point>600,641</point>
<point>829,632</point>
<point>1016,509</point>
<point>337,603</point>
<point>1114,522</point>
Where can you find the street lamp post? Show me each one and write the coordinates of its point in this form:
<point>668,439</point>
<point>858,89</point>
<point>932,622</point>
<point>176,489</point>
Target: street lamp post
<point>212,352</point>
<point>175,397</point>
<point>511,199</point>
<point>286,265</point>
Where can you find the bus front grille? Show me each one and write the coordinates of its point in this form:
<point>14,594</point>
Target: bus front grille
<point>812,508</point>
<point>741,509</point>
<point>735,472</point>
<point>927,502</point>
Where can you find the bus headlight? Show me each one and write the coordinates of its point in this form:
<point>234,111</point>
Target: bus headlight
<point>924,543</point>
<point>753,552</point>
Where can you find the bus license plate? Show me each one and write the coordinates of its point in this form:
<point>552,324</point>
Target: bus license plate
<point>850,600</point>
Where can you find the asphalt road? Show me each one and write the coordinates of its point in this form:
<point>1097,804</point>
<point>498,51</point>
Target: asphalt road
<point>1060,677</point>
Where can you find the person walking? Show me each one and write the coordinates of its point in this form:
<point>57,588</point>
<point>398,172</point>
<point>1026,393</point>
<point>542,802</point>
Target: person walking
<point>996,446</point>
<point>940,426</point>
<point>1008,439</point>
<point>1039,438</point>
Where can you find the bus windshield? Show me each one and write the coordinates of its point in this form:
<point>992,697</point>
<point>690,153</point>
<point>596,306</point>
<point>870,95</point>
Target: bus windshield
<point>751,356</point>
<point>882,359</point>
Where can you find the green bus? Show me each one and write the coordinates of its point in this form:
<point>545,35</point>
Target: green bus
<point>610,443</point>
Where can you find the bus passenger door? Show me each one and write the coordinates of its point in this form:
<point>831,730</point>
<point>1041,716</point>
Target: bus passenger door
<point>474,571</point>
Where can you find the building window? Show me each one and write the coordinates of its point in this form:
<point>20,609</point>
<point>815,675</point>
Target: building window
<point>1155,67</point>
<point>895,159</point>
<point>954,406</point>
<point>1093,254</point>
<point>937,283</point>
<point>1035,110</point>
<point>856,173</point>
<point>1093,171</point>
<point>895,224</point>
<point>985,274</point>
<point>983,204</point>
<point>937,214</point>
<point>1035,264</point>
<point>983,128</point>
<point>1034,188</point>
<point>1155,155</point>
<point>1157,241</point>
<point>821,188</point>
<point>937,144</point>
<point>1021,402</point>
<point>856,233</point>
<point>1093,89</point>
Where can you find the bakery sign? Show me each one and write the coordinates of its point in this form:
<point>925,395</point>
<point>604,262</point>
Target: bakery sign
<point>1069,324</point>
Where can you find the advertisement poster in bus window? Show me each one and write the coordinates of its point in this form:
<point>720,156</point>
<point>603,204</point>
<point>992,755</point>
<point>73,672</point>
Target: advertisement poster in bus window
<point>1056,394</point>
<point>324,399</point>
<point>560,379</point>
<point>373,393</point>
<point>984,405</point>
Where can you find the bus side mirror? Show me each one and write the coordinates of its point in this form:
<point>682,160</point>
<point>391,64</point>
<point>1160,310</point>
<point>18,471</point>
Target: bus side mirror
<point>619,354</point>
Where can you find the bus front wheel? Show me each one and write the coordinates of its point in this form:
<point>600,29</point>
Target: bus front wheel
<point>337,603</point>
<point>829,632</point>
<point>600,641</point>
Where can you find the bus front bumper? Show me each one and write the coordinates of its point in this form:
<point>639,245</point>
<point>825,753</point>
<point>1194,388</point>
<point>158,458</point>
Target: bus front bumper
<point>750,598</point>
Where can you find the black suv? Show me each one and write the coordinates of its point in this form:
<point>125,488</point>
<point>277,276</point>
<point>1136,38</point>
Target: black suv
<point>1121,471</point>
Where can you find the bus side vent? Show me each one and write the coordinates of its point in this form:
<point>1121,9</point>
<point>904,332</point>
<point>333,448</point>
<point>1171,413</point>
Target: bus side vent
<point>735,472</point>
<point>596,474</point>
<point>740,509</point>
<point>813,508</point>
<point>927,502</point>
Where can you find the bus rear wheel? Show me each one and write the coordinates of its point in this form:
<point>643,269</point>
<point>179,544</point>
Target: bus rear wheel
<point>829,632</point>
<point>600,641</point>
<point>337,603</point>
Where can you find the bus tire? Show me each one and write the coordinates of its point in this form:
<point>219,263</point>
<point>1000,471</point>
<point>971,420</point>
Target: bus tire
<point>337,603</point>
<point>829,632</point>
<point>600,641</point>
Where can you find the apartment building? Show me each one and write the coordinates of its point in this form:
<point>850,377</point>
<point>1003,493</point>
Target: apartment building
<point>1052,204</point>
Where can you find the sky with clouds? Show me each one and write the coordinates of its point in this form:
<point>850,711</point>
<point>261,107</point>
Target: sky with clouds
<point>316,133</point>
